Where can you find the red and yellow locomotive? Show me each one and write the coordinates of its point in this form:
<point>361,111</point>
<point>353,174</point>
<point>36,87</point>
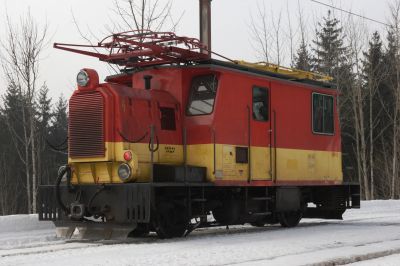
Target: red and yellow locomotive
<point>177,136</point>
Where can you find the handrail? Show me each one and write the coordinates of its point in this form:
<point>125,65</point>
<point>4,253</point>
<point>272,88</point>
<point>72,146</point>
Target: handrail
<point>249,142</point>
<point>275,147</point>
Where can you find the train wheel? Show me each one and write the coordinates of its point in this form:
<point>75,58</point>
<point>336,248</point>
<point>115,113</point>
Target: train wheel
<point>290,219</point>
<point>171,221</point>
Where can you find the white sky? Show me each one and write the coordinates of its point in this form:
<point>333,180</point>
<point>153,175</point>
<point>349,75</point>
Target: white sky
<point>230,28</point>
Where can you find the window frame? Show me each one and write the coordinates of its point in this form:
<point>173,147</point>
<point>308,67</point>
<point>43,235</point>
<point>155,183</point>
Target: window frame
<point>267,101</point>
<point>164,108</point>
<point>191,94</point>
<point>333,114</point>
<point>241,155</point>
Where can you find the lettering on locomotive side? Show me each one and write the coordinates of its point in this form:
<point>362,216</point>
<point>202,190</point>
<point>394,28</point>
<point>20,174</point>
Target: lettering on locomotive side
<point>169,149</point>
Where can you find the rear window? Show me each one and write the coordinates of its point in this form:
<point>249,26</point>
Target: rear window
<point>202,95</point>
<point>322,114</point>
<point>167,118</point>
<point>260,104</point>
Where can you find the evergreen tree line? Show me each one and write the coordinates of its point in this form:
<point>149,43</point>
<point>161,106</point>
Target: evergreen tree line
<point>50,132</point>
<point>367,79</point>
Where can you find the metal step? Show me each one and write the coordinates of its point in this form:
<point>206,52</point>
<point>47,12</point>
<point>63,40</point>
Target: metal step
<point>261,198</point>
<point>199,200</point>
<point>261,213</point>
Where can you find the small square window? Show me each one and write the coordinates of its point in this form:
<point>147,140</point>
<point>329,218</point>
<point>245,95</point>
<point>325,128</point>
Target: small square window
<point>242,154</point>
<point>167,118</point>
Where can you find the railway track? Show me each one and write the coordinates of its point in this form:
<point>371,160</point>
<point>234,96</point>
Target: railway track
<point>41,249</point>
<point>322,257</point>
<point>341,259</point>
<point>255,246</point>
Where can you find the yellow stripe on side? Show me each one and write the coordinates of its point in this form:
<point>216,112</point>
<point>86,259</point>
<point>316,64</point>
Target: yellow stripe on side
<point>308,165</point>
<point>290,165</point>
<point>104,169</point>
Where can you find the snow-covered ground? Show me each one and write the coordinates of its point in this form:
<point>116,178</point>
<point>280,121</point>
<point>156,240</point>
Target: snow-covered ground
<point>369,236</point>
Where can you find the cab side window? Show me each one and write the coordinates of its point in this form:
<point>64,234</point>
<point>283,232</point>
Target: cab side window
<point>260,104</point>
<point>322,114</point>
<point>202,95</point>
<point>167,118</point>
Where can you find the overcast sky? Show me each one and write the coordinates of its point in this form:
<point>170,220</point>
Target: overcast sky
<point>231,21</point>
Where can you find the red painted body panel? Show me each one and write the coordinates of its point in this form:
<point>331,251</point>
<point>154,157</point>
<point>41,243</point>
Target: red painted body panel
<point>132,110</point>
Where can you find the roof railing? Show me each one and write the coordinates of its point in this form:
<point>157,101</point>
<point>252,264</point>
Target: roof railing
<point>135,49</point>
<point>139,49</point>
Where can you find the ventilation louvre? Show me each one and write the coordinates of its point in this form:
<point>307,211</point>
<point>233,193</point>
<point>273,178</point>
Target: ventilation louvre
<point>86,125</point>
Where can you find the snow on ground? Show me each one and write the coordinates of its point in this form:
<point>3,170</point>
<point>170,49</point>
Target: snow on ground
<point>369,236</point>
<point>18,231</point>
<point>391,260</point>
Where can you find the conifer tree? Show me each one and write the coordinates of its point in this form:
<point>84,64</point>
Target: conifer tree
<point>57,138</point>
<point>60,122</point>
<point>329,50</point>
<point>302,59</point>
<point>44,108</point>
<point>12,197</point>
<point>391,98</point>
<point>44,115</point>
<point>374,75</point>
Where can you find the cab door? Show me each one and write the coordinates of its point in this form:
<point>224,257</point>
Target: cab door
<point>260,134</point>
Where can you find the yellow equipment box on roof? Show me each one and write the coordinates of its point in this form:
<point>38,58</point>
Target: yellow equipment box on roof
<point>295,73</point>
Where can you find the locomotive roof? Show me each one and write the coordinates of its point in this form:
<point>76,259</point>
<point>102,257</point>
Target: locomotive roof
<point>230,65</point>
<point>263,72</point>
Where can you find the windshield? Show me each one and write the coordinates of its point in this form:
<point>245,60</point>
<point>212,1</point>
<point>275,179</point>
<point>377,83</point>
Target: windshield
<point>202,95</point>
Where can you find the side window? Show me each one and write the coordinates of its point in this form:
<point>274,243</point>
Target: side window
<point>322,114</point>
<point>260,104</point>
<point>167,118</point>
<point>202,95</point>
<point>242,154</point>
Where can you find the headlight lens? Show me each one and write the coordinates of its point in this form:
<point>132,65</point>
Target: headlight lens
<point>124,172</point>
<point>64,177</point>
<point>82,78</point>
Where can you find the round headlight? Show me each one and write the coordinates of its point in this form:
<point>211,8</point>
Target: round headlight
<point>124,172</point>
<point>82,78</point>
<point>60,170</point>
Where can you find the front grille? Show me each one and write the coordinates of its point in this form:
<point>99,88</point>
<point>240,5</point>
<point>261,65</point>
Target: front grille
<point>86,125</point>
